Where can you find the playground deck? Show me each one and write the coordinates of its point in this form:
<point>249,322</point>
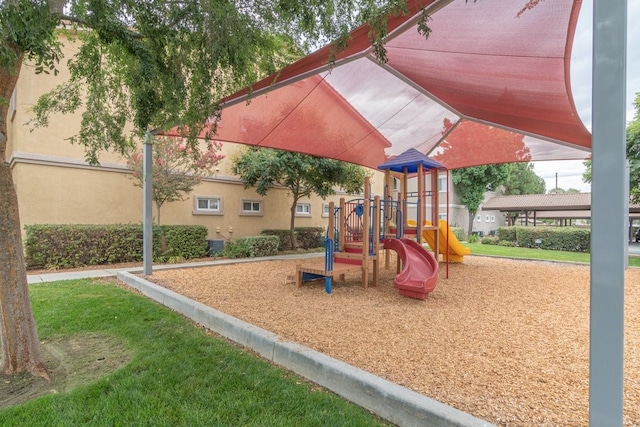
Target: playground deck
<point>318,269</point>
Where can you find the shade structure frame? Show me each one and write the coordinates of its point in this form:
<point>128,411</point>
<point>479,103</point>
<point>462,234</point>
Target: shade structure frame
<point>412,20</point>
<point>527,104</point>
<point>463,117</point>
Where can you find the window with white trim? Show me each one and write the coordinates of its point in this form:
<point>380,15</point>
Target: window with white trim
<point>325,210</point>
<point>251,207</point>
<point>207,205</point>
<point>303,209</point>
<point>442,184</point>
<point>478,218</point>
<point>442,216</point>
<point>493,218</point>
<point>487,218</point>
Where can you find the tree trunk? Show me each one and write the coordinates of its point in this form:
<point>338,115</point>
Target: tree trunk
<point>20,346</point>
<point>292,233</point>
<point>18,335</point>
<point>472,216</point>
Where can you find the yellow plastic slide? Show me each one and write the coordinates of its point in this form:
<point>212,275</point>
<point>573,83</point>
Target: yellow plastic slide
<point>456,250</point>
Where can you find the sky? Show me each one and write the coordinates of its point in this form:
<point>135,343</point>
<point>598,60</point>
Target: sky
<point>569,173</point>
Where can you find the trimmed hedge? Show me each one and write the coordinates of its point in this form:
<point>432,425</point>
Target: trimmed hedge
<point>252,246</point>
<point>307,237</point>
<point>182,242</point>
<point>553,238</point>
<point>78,245</point>
<point>310,237</point>
<point>507,233</point>
<point>284,242</point>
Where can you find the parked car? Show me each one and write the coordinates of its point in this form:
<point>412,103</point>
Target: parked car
<point>638,236</point>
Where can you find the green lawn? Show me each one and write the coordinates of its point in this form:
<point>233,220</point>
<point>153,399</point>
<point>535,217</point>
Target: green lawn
<point>495,250</point>
<point>175,374</point>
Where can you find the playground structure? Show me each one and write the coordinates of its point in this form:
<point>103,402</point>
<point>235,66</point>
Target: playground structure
<point>434,231</point>
<point>359,229</point>
<point>357,248</point>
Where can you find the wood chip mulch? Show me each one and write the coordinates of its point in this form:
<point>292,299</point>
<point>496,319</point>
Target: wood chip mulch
<point>504,340</point>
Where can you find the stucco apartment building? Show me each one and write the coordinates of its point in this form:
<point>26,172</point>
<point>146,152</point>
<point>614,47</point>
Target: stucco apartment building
<point>56,186</point>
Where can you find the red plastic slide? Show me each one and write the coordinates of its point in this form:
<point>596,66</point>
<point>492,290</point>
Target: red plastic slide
<point>420,273</point>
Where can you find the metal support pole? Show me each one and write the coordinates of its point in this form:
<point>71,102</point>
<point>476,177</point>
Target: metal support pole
<point>147,214</point>
<point>609,208</point>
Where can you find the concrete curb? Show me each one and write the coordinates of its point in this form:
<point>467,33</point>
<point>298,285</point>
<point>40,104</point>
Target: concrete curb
<point>388,400</point>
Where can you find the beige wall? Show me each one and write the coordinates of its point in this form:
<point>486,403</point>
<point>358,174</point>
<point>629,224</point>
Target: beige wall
<point>71,195</point>
<point>50,140</point>
<point>53,191</point>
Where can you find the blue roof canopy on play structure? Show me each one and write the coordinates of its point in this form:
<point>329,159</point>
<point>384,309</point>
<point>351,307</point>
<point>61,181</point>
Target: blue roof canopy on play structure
<point>409,162</point>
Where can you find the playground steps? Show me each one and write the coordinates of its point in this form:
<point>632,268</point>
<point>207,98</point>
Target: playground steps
<point>317,271</point>
<point>353,247</point>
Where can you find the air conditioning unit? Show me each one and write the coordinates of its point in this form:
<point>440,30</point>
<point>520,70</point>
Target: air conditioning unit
<point>214,247</point>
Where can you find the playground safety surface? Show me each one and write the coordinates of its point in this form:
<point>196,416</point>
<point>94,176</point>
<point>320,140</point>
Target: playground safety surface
<point>504,340</point>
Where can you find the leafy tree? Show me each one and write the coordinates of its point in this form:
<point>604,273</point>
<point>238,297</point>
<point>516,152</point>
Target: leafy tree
<point>175,170</point>
<point>560,190</point>
<point>633,152</point>
<point>633,155</point>
<point>301,174</point>
<point>471,184</point>
<point>522,180</point>
<point>150,64</point>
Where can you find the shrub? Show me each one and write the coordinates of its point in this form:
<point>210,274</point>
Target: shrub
<point>239,248</point>
<point>284,241</point>
<point>67,246</point>
<point>307,237</point>
<point>459,233</point>
<point>310,237</point>
<point>507,243</point>
<point>554,238</point>
<point>507,233</point>
<point>488,240</point>
<point>179,241</point>
<point>73,245</point>
<point>252,246</point>
<point>473,238</point>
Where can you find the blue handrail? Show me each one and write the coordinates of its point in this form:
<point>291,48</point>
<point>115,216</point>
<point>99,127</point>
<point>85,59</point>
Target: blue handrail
<point>328,263</point>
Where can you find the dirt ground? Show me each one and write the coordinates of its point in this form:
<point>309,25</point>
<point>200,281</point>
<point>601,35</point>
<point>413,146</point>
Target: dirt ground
<point>505,340</point>
<point>70,361</point>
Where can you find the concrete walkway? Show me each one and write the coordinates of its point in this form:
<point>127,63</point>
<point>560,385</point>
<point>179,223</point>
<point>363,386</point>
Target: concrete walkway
<point>388,400</point>
<point>112,272</point>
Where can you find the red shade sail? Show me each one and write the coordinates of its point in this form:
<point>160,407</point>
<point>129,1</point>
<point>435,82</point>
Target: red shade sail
<point>489,85</point>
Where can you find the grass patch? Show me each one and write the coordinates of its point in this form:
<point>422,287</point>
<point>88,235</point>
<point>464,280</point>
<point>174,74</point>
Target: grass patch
<point>528,253</point>
<point>175,374</point>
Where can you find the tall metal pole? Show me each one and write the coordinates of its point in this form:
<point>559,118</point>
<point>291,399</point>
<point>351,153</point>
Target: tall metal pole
<point>609,208</point>
<point>147,224</point>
